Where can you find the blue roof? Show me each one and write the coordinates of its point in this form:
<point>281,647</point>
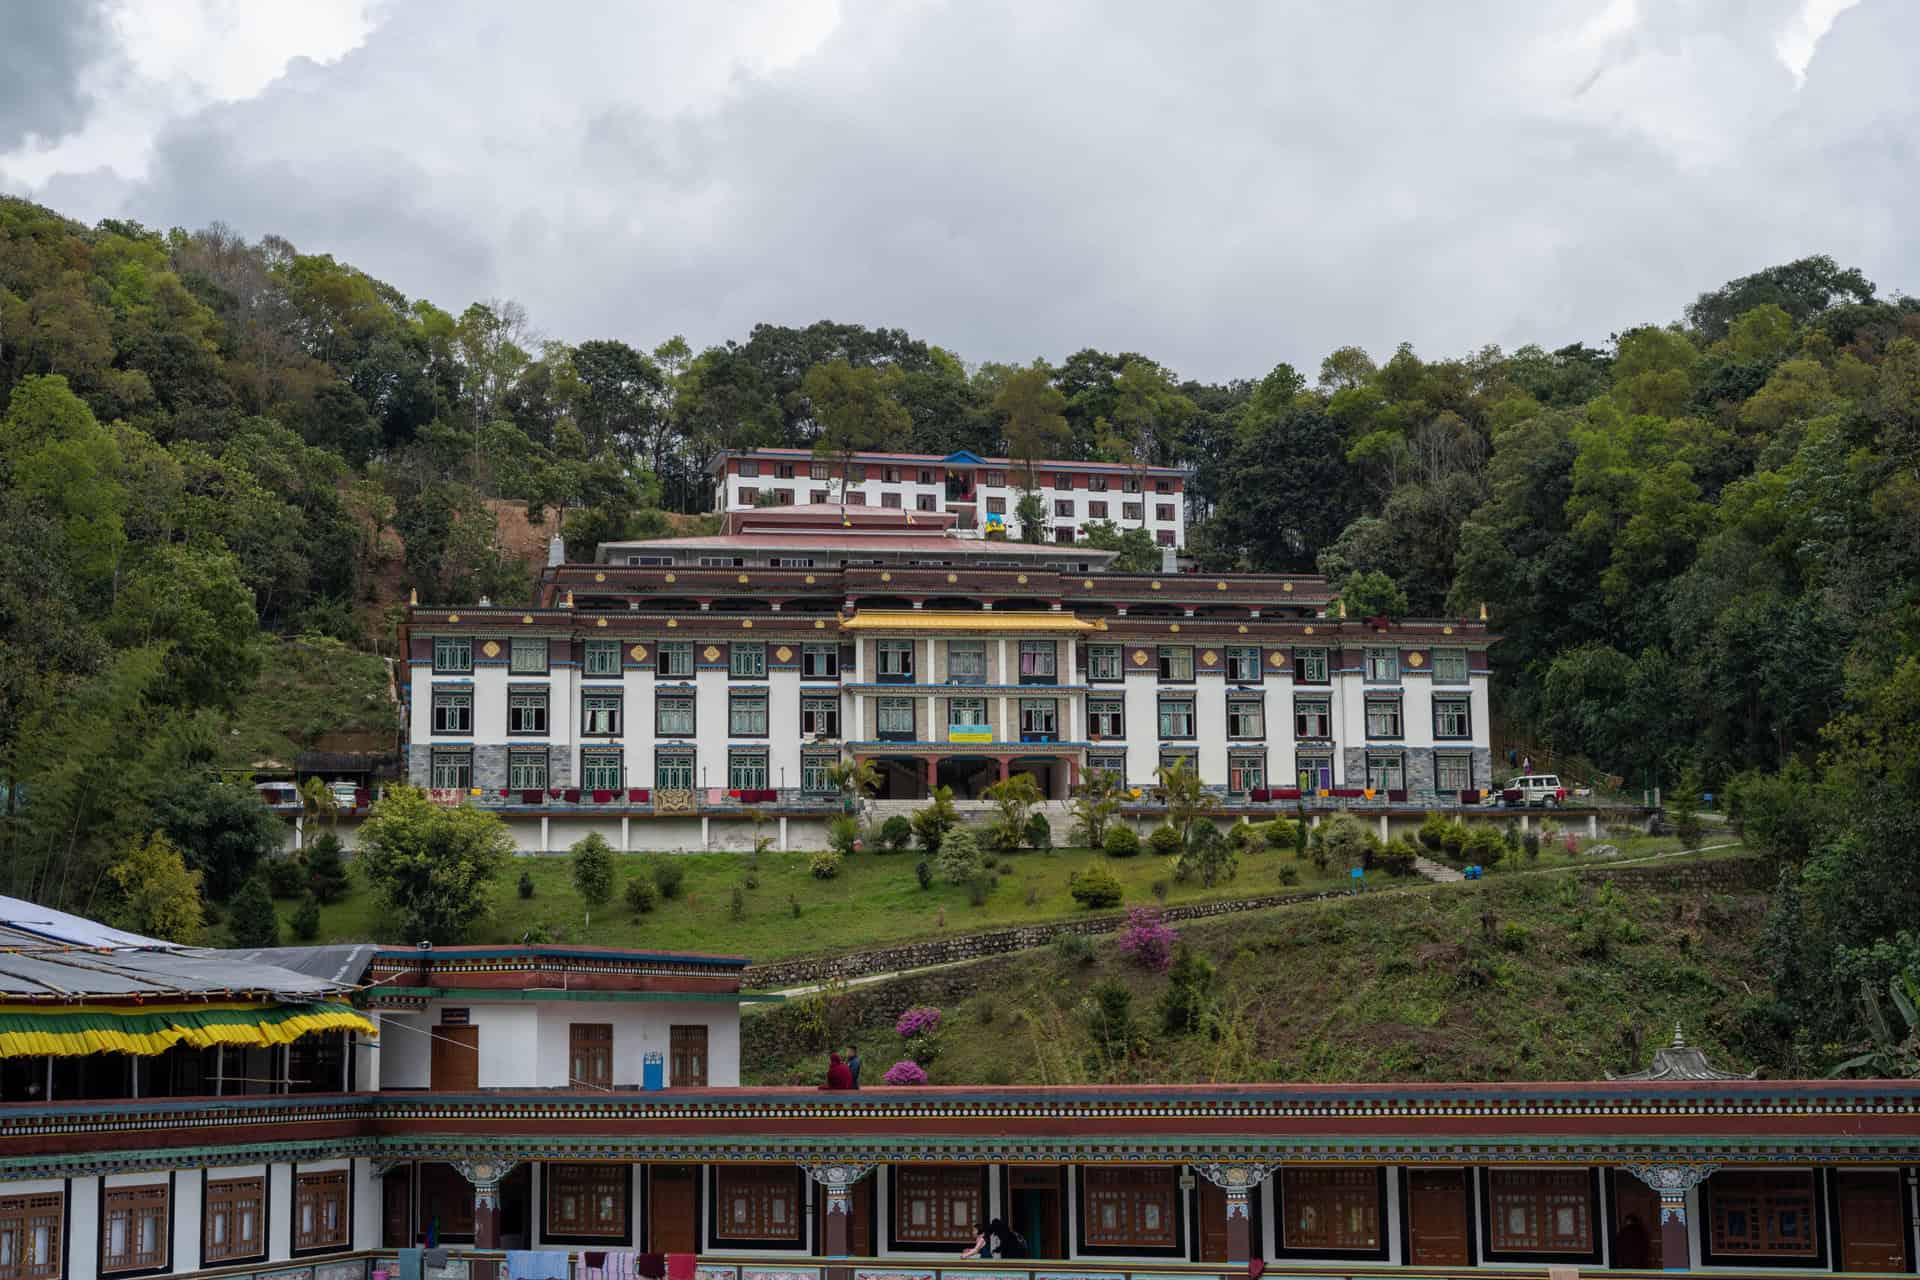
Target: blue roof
<point>963,456</point>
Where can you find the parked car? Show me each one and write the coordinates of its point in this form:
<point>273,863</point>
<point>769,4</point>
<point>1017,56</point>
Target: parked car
<point>345,794</point>
<point>1533,791</point>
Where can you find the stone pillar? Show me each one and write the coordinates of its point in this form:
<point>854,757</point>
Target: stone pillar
<point>838,1179</point>
<point>1593,826</point>
<point>1240,1182</point>
<point>485,1175</point>
<point>783,833</point>
<point>1384,836</point>
<point>543,834</point>
<point>1672,1182</point>
<point>626,834</point>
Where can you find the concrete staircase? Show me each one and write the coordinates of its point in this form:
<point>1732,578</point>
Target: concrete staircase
<point>1436,871</point>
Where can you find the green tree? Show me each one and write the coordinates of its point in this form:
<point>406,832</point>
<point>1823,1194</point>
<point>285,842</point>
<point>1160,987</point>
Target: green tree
<point>1683,808</point>
<point>251,921</point>
<point>1095,802</point>
<point>855,414</point>
<point>434,867</point>
<point>1180,785</point>
<point>592,870</point>
<point>1030,409</point>
<point>224,829</point>
<point>1015,796</point>
<point>155,894</point>
<point>327,878</point>
<point>1373,595</point>
<point>1138,551</point>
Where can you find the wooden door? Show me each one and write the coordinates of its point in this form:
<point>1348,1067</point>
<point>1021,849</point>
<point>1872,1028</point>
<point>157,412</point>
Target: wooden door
<point>1634,1199</point>
<point>1437,1229</point>
<point>396,1208</point>
<point>1213,1223</point>
<point>456,1059</point>
<point>673,1208</point>
<point>687,1062</point>
<point>1872,1230</point>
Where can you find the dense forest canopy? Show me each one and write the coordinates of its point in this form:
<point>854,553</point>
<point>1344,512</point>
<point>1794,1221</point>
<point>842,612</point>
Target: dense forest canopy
<point>1699,539</point>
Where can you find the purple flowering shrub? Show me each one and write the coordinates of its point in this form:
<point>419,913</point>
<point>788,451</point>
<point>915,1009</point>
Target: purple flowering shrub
<point>919,1020</point>
<point>906,1072</point>
<point>1148,939</point>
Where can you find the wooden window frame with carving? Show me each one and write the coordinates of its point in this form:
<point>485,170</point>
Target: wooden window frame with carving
<point>144,1194</point>
<point>553,1188</point>
<point>1177,1201</point>
<point>319,1180</point>
<point>973,1178</point>
<point>588,1038</point>
<point>1290,1182</point>
<point>1713,1200</point>
<point>227,1191</point>
<point>1490,1209</point>
<point>20,1213</point>
<point>766,1176</point>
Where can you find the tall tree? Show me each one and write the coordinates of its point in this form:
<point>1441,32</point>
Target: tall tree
<point>855,414</point>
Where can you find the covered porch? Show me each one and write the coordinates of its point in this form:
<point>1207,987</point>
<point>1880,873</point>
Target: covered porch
<point>971,770</point>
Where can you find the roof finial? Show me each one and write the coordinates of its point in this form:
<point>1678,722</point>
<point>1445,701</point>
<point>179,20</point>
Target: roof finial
<point>1343,606</point>
<point>1679,1041</point>
<point>569,603</point>
<point>1483,611</point>
<point>413,596</point>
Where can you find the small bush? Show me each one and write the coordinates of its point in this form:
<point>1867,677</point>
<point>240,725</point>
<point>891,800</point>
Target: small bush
<point>526,884</point>
<point>825,865</point>
<point>1514,936</point>
<point>737,904</point>
<point>905,1072</point>
<point>1074,948</point>
<point>642,896</point>
<point>1453,841</point>
<point>1039,833</point>
<point>1241,837</point>
<point>1148,939</point>
<point>1289,873</point>
<point>668,876</point>
<point>306,921</point>
<point>1187,1004</point>
<point>1165,842</point>
<point>923,873</point>
<point>1282,834</point>
<point>1485,847</point>
<point>286,875</point>
<point>1121,841</point>
<point>959,856</point>
<point>752,880</point>
<point>1433,832</point>
<point>1160,889</point>
<point>896,833</point>
<point>1396,858</point>
<point>1095,887</point>
<point>843,833</point>
<point>1530,843</point>
<point>1110,1017</point>
<point>980,887</point>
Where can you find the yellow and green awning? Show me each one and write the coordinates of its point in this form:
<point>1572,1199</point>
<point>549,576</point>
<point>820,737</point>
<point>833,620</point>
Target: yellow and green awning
<point>65,1031</point>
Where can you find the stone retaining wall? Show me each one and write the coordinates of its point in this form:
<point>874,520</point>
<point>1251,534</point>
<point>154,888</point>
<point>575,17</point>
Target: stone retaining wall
<point>1726,875</point>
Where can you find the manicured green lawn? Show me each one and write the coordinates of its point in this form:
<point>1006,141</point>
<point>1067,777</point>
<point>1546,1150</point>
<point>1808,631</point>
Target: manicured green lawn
<point>876,899</point>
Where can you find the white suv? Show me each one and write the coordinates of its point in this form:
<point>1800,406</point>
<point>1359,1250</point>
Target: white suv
<point>1534,790</point>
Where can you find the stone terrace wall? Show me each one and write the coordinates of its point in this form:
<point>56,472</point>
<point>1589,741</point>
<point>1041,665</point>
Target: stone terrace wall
<point>1725,875</point>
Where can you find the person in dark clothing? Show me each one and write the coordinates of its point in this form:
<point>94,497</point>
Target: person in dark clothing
<point>982,1246</point>
<point>853,1063</point>
<point>1630,1244</point>
<point>838,1077</point>
<point>1007,1242</point>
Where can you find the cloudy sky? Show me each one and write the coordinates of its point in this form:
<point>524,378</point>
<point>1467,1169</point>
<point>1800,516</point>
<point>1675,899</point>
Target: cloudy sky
<point>1220,185</point>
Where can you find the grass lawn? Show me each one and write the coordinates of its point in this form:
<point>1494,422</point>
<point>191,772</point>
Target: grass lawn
<point>875,900</point>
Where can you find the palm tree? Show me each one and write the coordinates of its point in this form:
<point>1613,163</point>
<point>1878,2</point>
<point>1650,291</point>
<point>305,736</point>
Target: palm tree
<point>855,778</point>
<point>316,798</point>
<point>1181,782</point>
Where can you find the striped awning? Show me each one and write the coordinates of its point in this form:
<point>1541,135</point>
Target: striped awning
<point>38,1031</point>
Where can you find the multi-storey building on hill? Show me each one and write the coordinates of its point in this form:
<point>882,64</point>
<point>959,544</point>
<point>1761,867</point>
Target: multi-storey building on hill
<point>978,494</point>
<point>675,676</point>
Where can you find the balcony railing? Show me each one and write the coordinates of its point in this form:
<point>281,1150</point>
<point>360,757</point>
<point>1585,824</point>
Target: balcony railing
<point>656,800</point>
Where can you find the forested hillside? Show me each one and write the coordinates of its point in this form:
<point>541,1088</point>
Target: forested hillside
<point>1700,538</point>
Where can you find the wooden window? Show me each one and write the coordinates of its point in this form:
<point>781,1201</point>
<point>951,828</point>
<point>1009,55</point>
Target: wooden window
<point>937,1204</point>
<point>1762,1215</point>
<point>587,1200</point>
<point>320,1219</point>
<point>1540,1210</point>
<point>30,1241</point>
<point>758,1203</point>
<point>1330,1210</point>
<point>687,1048</point>
<point>233,1219</point>
<point>1130,1209</point>
<point>590,1055</point>
<point>133,1228</point>
<point>1450,666</point>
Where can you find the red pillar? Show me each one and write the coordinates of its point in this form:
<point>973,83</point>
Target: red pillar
<point>1002,762</point>
<point>1239,1234</point>
<point>933,773</point>
<point>1675,1247</point>
<point>839,1214</point>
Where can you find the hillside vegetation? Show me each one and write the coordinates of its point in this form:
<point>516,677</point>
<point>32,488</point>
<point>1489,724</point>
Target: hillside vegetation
<point>1547,977</point>
<point>1698,537</point>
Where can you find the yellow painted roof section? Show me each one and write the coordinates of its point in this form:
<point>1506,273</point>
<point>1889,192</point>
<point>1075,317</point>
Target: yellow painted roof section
<point>953,620</point>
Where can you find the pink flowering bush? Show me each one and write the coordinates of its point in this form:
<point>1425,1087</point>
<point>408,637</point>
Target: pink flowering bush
<point>905,1073</point>
<point>920,1020</point>
<point>1148,938</point>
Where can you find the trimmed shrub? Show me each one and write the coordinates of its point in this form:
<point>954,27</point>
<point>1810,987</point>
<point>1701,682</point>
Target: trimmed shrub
<point>906,1072</point>
<point>326,869</point>
<point>526,885</point>
<point>1485,847</point>
<point>1282,833</point>
<point>1433,832</point>
<point>1094,888</point>
<point>825,865</point>
<point>1039,833</point>
<point>959,856</point>
<point>923,872</point>
<point>1530,843</point>
<point>1453,841</point>
<point>981,887</point>
<point>1289,873</point>
<point>896,833</point>
<point>642,896</point>
<point>286,875</point>
<point>1396,858</point>
<point>306,921</point>
<point>1165,842</point>
<point>1122,841</point>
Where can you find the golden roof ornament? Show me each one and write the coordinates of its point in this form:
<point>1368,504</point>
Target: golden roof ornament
<point>569,603</point>
<point>413,596</point>
<point>1343,607</point>
<point>1483,611</point>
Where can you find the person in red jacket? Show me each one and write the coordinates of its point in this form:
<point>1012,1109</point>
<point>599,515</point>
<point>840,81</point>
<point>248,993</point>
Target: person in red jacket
<point>839,1076</point>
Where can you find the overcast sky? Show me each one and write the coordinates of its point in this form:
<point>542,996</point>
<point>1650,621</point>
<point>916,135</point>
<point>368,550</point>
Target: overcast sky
<point>1219,185</point>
